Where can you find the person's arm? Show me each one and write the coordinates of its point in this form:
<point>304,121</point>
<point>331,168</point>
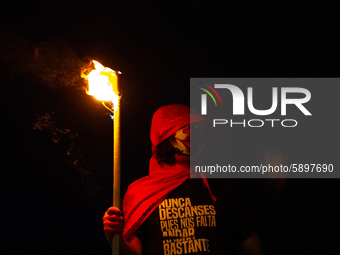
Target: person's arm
<point>113,222</point>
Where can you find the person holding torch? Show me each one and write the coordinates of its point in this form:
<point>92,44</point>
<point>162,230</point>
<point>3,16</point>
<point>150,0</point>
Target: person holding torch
<point>166,212</point>
<point>147,200</point>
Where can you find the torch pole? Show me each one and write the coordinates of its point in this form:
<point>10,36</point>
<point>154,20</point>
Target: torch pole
<point>116,169</point>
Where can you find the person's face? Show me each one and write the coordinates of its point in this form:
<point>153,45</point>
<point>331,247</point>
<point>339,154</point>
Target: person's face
<point>181,140</point>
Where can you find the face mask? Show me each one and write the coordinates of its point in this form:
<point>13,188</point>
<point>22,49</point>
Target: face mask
<point>181,140</point>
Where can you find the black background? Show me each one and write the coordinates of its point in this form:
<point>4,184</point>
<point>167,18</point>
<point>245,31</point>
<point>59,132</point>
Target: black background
<point>50,207</point>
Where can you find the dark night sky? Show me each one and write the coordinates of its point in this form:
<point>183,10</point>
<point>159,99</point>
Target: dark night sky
<point>50,207</point>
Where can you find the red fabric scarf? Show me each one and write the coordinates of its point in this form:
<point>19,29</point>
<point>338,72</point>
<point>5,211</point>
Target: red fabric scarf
<point>145,194</point>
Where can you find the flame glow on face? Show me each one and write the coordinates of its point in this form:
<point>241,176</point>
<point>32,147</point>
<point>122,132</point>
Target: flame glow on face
<point>181,140</point>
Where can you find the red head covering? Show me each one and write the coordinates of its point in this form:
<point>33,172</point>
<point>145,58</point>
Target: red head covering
<point>145,194</point>
<point>169,119</point>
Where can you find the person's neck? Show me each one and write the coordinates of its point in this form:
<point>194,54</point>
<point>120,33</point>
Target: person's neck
<point>183,160</point>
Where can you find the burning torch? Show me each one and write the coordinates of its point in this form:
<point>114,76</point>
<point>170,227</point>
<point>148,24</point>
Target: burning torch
<point>103,85</point>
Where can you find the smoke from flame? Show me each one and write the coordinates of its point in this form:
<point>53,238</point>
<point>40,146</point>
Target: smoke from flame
<point>68,137</point>
<point>51,61</point>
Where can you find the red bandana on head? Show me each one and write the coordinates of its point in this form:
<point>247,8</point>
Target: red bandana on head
<point>145,194</point>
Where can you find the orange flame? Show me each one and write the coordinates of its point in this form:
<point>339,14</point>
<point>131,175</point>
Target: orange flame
<point>103,83</point>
